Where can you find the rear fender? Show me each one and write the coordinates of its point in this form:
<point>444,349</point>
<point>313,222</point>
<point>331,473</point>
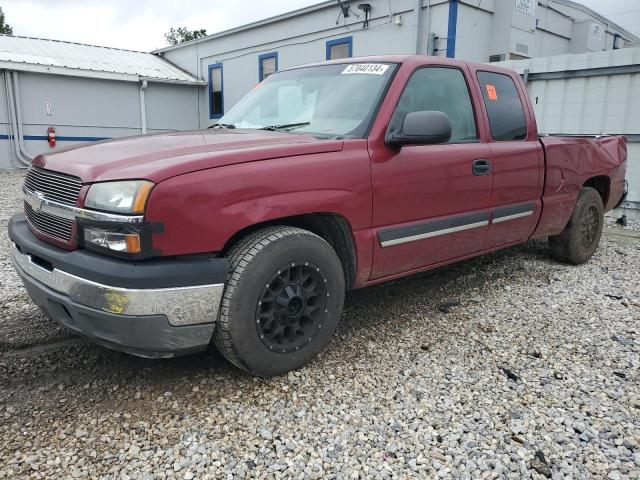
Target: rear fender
<point>570,163</point>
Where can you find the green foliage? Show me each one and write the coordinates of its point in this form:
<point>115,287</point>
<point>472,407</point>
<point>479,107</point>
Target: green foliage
<point>4,27</point>
<point>179,35</point>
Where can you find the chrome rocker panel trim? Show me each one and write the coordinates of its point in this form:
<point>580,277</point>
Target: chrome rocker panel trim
<point>511,217</point>
<point>41,204</point>
<point>181,305</point>
<point>437,233</point>
<point>460,223</point>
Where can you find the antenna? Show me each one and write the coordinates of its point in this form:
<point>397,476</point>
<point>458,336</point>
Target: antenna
<point>344,8</point>
<point>345,11</point>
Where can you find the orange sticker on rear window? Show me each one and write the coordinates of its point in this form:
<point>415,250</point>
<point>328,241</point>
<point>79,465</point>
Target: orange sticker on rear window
<point>491,92</point>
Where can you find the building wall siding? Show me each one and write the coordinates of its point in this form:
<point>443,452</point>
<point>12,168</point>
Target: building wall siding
<point>483,29</point>
<point>85,109</point>
<point>597,104</point>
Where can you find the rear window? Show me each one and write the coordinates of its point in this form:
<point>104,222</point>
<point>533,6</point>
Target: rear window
<point>506,115</point>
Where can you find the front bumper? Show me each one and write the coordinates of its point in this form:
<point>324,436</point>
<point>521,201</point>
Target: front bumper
<point>156,308</point>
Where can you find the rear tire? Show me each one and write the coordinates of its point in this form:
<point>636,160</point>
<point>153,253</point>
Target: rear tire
<point>580,238</point>
<point>282,300</point>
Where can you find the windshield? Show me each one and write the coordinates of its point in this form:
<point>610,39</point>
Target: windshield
<point>328,100</point>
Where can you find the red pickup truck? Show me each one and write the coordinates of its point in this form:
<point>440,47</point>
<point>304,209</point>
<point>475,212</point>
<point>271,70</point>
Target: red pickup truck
<point>324,178</point>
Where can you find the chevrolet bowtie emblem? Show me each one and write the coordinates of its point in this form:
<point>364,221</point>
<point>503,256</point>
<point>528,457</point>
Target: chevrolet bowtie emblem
<point>35,201</point>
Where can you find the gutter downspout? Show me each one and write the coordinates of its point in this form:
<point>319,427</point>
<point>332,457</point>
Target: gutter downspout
<point>453,25</point>
<point>12,120</point>
<point>419,27</point>
<point>18,100</point>
<point>143,108</point>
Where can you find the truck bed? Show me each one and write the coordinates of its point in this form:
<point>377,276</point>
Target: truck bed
<point>570,161</point>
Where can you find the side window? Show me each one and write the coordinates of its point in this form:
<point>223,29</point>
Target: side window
<point>440,89</point>
<point>501,99</point>
<point>216,96</point>
<point>267,65</point>
<point>340,48</point>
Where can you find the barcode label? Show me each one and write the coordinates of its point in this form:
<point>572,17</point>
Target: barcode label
<point>365,68</point>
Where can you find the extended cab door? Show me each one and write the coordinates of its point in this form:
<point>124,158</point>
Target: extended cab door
<point>516,157</point>
<point>430,202</point>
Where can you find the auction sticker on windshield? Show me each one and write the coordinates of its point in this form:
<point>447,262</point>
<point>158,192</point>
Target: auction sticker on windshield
<point>367,68</point>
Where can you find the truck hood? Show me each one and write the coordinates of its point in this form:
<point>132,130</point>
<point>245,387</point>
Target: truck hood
<point>161,156</point>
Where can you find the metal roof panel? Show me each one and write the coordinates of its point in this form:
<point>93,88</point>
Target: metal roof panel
<point>102,61</point>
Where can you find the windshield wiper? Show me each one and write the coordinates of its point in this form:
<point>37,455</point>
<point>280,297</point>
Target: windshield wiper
<point>223,125</point>
<point>286,126</point>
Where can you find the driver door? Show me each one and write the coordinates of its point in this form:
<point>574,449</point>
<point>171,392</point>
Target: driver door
<point>431,202</point>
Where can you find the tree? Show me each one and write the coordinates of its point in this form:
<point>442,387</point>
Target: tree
<point>178,35</point>
<point>4,27</point>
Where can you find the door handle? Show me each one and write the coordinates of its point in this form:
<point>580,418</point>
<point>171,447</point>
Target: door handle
<point>481,166</point>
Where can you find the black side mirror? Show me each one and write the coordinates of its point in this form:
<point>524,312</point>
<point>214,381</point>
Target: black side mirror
<point>420,128</point>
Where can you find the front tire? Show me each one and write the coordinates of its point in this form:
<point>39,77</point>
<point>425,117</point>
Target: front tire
<point>282,301</point>
<point>580,238</point>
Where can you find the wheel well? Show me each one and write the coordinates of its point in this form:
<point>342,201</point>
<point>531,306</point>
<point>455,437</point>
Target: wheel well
<point>601,184</point>
<point>334,229</point>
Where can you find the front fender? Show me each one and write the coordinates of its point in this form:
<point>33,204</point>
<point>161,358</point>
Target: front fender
<point>202,210</point>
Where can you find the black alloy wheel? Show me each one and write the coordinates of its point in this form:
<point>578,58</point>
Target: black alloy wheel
<point>288,314</point>
<point>282,300</point>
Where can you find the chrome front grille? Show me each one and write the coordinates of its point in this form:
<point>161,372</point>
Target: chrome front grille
<point>51,225</point>
<point>53,185</point>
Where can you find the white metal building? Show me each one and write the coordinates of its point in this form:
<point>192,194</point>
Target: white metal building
<point>234,61</point>
<point>591,93</point>
<point>86,93</point>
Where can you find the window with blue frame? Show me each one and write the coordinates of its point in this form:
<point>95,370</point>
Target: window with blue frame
<point>216,91</point>
<point>340,48</point>
<point>267,65</point>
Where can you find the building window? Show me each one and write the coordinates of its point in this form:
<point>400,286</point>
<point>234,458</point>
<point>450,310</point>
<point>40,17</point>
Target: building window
<point>340,48</point>
<point>216,95</point>
<point>504,106</point>
<point>267,65</point>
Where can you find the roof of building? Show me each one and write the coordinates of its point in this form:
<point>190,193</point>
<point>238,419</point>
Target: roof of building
<point>81,60</point>
<point>332,3</point>
<point>276,18</point>
<point>593,63</point>
<point>596,15</point>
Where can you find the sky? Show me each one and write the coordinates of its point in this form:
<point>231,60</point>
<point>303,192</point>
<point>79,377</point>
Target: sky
<point>141,24</point>
<point>134,24</point>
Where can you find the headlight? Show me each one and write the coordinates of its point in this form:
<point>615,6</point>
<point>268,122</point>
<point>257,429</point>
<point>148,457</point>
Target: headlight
<point>119,197</point>
<point>128,243</point>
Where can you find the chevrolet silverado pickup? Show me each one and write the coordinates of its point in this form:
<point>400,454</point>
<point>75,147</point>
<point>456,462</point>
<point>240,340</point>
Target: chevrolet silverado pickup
<point>324,178</point>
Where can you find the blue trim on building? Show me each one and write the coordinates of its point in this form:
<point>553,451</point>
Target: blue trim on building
<point>452,27</point>
<point>212,67</point>
<point>264,57</point>
<point>339,41</point>
<point>59,138</point>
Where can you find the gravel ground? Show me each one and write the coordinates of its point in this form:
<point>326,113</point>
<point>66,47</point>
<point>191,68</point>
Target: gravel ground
<point>508,366</point>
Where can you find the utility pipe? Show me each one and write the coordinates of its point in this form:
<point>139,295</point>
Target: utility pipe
<point>143,108</point>
<point>431,49</point>
<point>18,101</point>
<point>12,119</point>
<point>9,121</point>
<point>419,27</point>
